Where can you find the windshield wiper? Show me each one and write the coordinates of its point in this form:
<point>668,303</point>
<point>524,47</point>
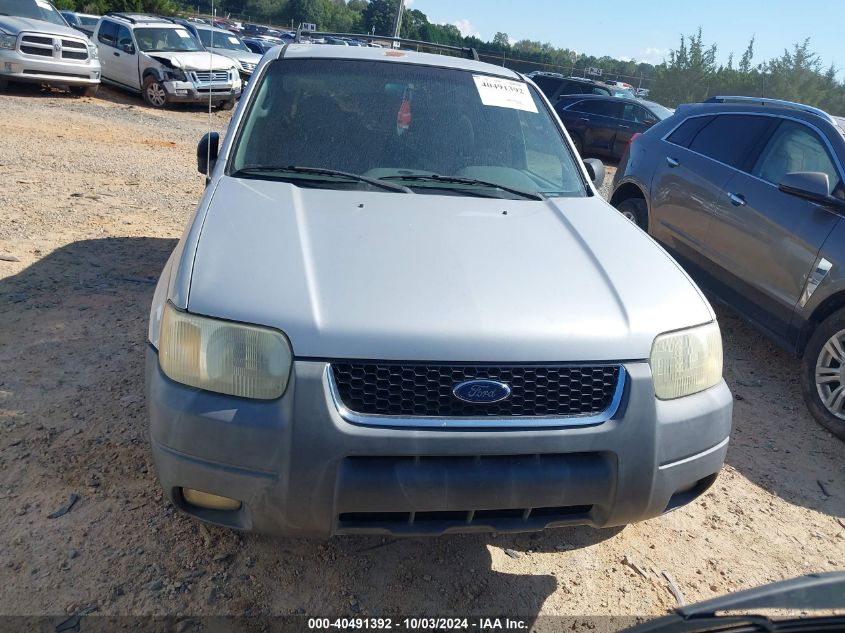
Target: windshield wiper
<point>822,591</point>
<point>465,181</point>
<point>319,171</point>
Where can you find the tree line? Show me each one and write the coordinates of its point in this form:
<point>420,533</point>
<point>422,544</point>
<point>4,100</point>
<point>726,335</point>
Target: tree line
<point>689,72</point>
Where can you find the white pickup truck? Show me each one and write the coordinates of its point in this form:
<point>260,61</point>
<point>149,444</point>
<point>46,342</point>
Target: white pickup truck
<point>37,46</point>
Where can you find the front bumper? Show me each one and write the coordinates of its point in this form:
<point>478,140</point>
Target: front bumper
<point>17,67</point>
<point>300,469</point>
<point>188,92</point>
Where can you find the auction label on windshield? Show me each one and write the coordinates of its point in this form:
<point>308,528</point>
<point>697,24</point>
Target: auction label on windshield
<point>504,93</point>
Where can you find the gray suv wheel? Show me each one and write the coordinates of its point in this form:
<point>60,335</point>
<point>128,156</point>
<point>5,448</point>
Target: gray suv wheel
<point>153,93</point>
<point>823,375</point>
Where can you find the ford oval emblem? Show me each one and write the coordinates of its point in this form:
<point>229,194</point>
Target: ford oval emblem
<point>481,391</point>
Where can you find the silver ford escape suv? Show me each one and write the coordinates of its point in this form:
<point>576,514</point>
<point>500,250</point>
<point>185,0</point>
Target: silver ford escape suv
<point>402,307</point>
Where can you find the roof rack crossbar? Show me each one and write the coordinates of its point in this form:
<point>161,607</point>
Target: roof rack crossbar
<point>132,18</point>
<point>120,14</point>
<point>773,102</point>
<point>466,51</point>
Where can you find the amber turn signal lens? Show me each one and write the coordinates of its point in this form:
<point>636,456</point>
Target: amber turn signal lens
<point>209,501</point>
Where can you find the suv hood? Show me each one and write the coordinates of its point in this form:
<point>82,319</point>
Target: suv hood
<point>194,60</point>
<point>391,276</point>
<point>15,25</point>
<point>241,56</point>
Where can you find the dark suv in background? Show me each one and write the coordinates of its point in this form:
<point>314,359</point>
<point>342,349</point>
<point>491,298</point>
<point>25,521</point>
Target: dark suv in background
<point>604,126</point>
<point>553,85</point>
<point>749,195</point>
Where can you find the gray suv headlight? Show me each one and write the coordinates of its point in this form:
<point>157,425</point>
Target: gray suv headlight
<point>175,74</point>
<point>222,356</point>
<point>7,41</point>
<point>686,361</point>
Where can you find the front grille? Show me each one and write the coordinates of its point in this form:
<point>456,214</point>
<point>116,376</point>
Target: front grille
<point>37,39</point>
<point>417,390</point>
<point>44,46</point>
<point>248,67</point>
<point>442,520</point>
<point>35,50</point>
<point>216,76</point>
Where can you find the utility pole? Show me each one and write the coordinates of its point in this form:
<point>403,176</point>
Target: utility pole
<point>398,27</point>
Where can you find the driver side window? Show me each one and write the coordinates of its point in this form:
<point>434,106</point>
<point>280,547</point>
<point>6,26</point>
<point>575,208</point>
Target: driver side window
<point>107,33</point>
<point>124,37</point>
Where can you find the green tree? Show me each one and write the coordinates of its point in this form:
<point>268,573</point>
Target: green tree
<point>747,56</point>
<point>501,39</point>
<point>380,16</point>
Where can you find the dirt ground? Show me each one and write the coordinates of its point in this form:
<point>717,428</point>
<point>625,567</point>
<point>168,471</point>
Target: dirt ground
<point>93,196</point>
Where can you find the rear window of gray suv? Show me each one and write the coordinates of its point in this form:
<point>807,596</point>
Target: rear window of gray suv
<point>385,120</point>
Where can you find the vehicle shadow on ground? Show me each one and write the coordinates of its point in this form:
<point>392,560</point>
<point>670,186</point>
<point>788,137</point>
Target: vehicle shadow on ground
<point>440,576</point>
<point>775,442</point>
<point>72,333</point>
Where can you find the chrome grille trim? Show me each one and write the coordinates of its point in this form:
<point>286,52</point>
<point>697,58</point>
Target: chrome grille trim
<point>44,46</point>
<point>216,76</point>
<point>481,421</point>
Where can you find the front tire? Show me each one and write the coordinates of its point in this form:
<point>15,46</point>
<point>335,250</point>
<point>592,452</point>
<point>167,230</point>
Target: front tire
<point>4,83</point>
<point>84,91</point>
<point>227,105</point>
<point>823,374</point>
<point>153,93</point>
<point>635,210</point>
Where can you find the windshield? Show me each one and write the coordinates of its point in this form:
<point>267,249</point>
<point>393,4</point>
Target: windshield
<point>86,20</point>
<point>622,92</point>
<point>164,39</point>
<point>397,121</point>
<point>33,9</point>
<point>221,40</point>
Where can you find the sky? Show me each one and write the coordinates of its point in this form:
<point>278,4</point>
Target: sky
<point>645,30</point>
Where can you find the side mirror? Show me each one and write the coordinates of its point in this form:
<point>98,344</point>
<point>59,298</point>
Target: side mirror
<point>811,185</point>
<point>595,170</point>
<point>129,48</point>
<point>207,153</point>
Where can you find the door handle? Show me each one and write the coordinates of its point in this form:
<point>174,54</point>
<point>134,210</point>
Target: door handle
<point>623,127</point>
<point>737,199</point>
<point>115,53</point>
<point>672,162</point>
<point>584,119</point>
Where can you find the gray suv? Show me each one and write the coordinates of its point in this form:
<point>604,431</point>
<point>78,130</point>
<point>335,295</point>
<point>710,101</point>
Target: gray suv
<point>432,333</point>
<point>164,62</point>
<point>748,195</point>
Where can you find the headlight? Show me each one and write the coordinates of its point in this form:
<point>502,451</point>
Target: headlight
<point>686,361</point>
<point>225,357</point>
<point>7,41</point>
<point>175,74</point>
<point>93,51</point>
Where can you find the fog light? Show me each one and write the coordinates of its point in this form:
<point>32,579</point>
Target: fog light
<point>209,501</point>
<point>8,67</point>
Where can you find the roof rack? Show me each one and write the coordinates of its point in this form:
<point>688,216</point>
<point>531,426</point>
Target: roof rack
<point>134,18</point>
<point>468,52</point>
<point>775,103</point>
